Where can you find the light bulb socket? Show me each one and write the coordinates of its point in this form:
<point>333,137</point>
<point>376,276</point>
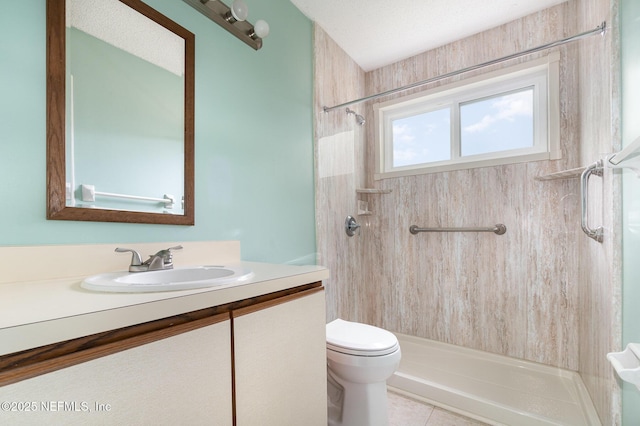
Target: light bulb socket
<point>229,18</point>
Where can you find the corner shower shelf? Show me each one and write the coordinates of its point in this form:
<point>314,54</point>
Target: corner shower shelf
<point>363,205</point>
<point>629,157</point>
<point>564,174</point>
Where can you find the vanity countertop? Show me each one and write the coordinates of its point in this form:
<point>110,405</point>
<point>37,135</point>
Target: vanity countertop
<point>40,312</point>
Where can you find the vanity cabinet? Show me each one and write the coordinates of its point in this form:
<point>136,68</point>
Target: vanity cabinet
<point>258,361</point>
<point>280,363</point>
<point>182,379</point>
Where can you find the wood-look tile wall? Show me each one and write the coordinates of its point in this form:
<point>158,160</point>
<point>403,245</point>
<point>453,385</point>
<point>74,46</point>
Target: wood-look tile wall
<point>339,166</point>
<point>543,291</point>
<point>600,326</point>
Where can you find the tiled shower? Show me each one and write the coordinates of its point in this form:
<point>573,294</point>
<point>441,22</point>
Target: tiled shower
<point>542,292</point>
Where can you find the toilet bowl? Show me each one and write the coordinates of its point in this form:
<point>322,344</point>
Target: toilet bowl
<point>360,359</point>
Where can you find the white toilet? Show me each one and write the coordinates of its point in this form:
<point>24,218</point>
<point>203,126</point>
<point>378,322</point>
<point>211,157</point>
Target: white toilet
<point>360,359</point>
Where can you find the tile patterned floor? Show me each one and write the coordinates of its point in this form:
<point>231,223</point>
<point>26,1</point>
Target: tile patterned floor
<point>404,411</point>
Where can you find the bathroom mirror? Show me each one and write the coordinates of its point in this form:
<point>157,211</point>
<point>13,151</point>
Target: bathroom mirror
<point>120,113</point>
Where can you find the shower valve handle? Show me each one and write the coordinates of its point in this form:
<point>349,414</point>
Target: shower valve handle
<point>351,226</point>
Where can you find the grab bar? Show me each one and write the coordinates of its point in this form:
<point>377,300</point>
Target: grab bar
<point>594,169</point>
<point>89,194</point>
<point>498,229</point>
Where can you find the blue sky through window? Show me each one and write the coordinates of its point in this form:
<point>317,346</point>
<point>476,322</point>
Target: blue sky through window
<point>500,123</point>
<point>422,138</point>
<point>508,116</point>
<point>497,124</point>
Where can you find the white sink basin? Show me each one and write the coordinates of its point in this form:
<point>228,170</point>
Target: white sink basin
<point>167,280</point>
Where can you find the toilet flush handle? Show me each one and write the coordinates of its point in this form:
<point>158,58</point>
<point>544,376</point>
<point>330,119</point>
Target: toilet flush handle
<point>351,226</point>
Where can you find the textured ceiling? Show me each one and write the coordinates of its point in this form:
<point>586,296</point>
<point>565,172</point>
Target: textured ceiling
<point>115,23</point>
<point>376,33</point>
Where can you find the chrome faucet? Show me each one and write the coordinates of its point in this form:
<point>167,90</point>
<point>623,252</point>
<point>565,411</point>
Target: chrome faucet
<point>157,262</point>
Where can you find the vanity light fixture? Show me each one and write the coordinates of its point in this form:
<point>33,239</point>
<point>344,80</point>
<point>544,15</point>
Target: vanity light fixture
<point>233,19</point>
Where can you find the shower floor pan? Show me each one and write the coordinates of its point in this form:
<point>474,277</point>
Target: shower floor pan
<point>494,389</point>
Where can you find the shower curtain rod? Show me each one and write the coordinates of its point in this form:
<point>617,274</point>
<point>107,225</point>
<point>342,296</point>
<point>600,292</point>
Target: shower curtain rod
<point>601,29</point>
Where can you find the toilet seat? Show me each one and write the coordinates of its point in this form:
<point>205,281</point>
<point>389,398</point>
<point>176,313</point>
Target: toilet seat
<point>358,339</point>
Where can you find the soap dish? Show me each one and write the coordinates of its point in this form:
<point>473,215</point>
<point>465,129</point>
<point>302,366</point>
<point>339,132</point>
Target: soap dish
<point>627,363</point>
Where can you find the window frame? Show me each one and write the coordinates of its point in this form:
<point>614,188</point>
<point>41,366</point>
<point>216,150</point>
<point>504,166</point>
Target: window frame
<point>542,74</point>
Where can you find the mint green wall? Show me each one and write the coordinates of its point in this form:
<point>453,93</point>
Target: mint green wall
<point>125,111</point>
<point>254,138</point>
<point>630,46</point>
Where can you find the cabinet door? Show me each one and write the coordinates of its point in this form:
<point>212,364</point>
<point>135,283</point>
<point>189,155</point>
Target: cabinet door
<point>280,362</point>
<point>179,380</point>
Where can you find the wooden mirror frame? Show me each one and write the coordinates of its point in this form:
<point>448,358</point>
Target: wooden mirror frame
<point>56,125</point>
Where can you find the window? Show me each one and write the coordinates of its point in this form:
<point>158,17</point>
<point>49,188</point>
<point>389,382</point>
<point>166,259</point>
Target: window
<point>504,117</point>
